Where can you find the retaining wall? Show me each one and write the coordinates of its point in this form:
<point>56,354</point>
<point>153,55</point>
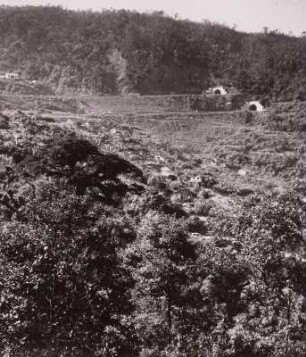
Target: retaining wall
<point>135,104</point>
<point>162,103</point>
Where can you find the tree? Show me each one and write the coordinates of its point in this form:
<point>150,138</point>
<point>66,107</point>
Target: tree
<point>160,261</point>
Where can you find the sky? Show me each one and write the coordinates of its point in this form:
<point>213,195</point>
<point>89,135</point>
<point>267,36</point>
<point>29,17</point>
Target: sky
<point>287,16</point>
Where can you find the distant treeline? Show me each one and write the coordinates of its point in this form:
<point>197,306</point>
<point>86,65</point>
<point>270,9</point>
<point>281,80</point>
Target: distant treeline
<point>111,52</point>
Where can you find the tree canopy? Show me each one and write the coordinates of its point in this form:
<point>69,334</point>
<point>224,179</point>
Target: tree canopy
<point>116,51</point>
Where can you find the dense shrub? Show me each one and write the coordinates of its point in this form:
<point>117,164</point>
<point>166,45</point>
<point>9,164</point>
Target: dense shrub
<point>63,289</point>
<point>271,247</point>
<point>4,121</point>
<point>135,275</point>
<point>289,117</point>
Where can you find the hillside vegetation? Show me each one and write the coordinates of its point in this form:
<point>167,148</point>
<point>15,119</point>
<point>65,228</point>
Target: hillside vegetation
<point>121,51</point>
<point>143,226</point>
<point>151,238</point>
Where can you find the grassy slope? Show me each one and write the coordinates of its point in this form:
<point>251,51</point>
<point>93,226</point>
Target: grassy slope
<point>242,152</point>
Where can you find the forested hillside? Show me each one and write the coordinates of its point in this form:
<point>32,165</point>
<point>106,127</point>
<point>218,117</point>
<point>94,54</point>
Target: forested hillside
<point>122,51</point>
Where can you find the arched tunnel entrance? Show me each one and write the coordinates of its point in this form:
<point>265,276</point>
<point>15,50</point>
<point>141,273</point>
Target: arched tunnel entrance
<point>253,107</point>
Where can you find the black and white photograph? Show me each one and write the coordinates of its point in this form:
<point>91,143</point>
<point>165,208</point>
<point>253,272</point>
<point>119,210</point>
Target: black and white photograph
<point>152,178</point>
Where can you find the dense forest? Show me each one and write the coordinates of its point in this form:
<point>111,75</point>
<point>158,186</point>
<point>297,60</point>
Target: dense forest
<point>115,52</point>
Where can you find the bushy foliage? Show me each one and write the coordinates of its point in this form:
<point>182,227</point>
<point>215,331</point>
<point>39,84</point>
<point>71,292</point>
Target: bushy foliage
<point>269,244</point>
<point>63,289</point>
<point>160,259</point>
<point>288,120</point>
<point>129,272</point>
<point>239,292</point>
<point>115,51</point>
